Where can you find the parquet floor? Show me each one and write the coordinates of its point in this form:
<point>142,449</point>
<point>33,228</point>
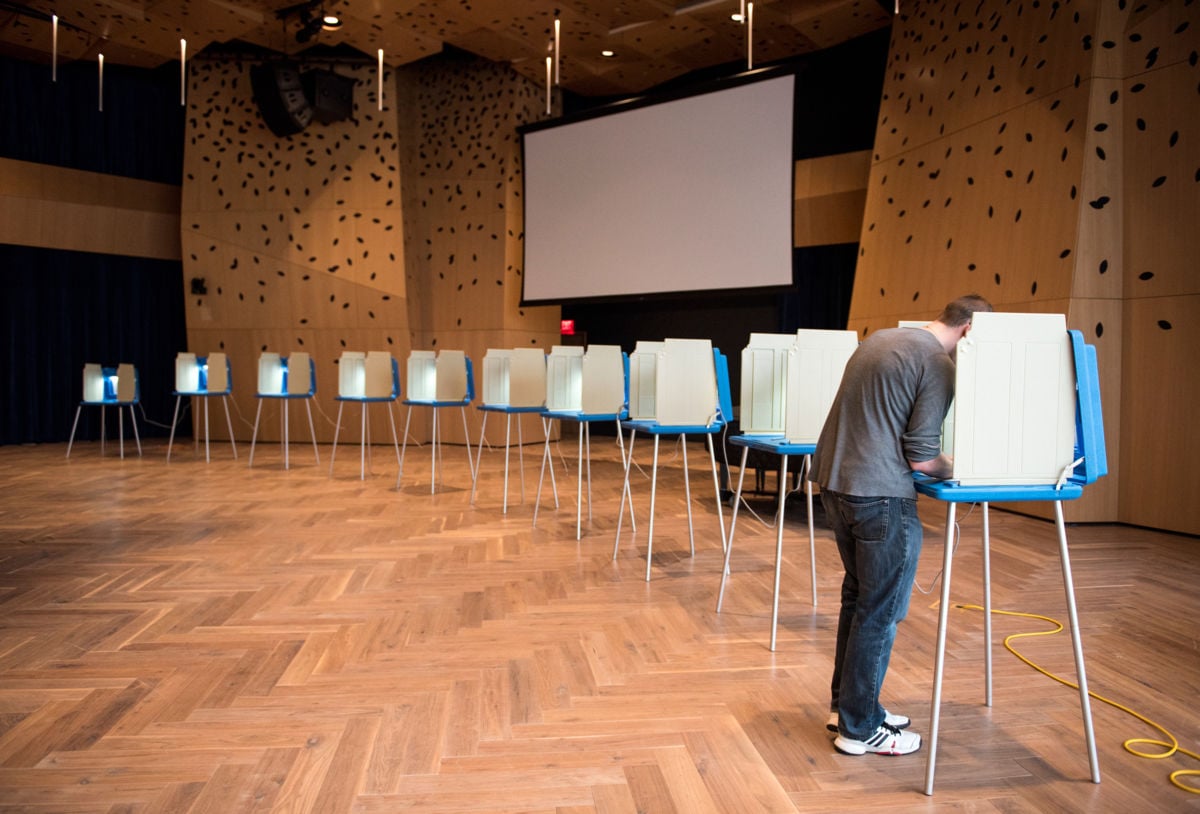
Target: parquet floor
<point>212,638</point>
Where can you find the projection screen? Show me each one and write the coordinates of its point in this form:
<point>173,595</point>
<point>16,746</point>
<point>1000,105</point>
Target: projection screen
<point>692,194</point>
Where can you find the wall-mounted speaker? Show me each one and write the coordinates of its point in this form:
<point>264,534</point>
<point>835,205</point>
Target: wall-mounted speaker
<point>331,95</point>
<point>279,93</point>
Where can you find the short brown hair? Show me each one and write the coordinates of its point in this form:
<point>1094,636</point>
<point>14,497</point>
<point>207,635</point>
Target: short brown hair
<point>958,312</point>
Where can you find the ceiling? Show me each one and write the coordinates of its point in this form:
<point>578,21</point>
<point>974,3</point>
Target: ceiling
<point>653,40</point>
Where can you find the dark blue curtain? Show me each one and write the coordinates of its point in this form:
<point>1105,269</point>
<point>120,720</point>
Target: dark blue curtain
<point>61,309</point>
<point>139,134</point>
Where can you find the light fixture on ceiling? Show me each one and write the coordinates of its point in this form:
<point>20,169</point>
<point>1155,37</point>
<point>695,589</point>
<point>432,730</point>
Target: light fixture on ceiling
<point>313,19</point>
<point>182,71</point>
<point>749,36</point>
<point>608,53</point>
<point>379,101</point>
<point>557,45</point>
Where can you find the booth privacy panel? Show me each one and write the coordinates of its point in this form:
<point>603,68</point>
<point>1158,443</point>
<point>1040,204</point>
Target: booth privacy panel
<point>1014,410</point>
<point>815,366</point>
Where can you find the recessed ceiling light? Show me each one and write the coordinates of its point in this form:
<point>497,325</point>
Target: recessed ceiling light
<point>330,22</point>
<point>736,17</point>
<point>608,53</point>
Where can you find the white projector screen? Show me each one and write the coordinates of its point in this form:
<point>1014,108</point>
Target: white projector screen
<point>693,194</point>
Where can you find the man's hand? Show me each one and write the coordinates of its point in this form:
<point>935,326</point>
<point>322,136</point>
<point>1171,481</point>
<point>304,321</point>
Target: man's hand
<point>940,467</point>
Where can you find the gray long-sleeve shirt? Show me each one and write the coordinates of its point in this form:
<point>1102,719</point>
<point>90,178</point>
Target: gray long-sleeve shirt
<point>888,411</point>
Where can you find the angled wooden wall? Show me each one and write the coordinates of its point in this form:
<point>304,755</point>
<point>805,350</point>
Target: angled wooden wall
<point>298,240</point>
<point>1038,155</point>
<point>1158,116</point>
<point>463,215</point>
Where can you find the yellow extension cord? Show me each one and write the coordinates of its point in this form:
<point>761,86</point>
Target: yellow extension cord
<point>1170,746</point>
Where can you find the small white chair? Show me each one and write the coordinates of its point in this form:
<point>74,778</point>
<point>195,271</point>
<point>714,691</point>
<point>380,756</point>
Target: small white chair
<point>286,378</point>
<point>110,386</point>
<point>203,377</point>
<point>366,378</point>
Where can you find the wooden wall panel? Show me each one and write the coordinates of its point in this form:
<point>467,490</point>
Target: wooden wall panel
<point>298,239</point>
<point>1078,118</point>
<point>1162,180</point>
<point>1099,263</point>
<point>950,68</point>
<point>60,208</point>
<point>988,209</point>
<point>830,194</point>
<point>1159,446</point>
<point>1160,195</point>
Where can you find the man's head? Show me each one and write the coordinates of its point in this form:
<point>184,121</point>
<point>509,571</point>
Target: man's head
<point>958,313</point>
<point>955,320</point>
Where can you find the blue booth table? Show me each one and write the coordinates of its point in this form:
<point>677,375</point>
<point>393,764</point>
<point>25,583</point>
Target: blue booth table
<point>1090,463</point>
<point>775,445</point>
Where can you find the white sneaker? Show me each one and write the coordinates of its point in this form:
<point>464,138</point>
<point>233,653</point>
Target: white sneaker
<point>887,740</point>
<point>897,721</point>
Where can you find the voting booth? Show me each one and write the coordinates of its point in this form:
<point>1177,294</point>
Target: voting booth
<point>789,382</point>
<point>366,378</point>
<point>203,378</point>
<point>285,378</point>
<point>583,387</point>
<point>109,387</point>
<point>514,383</point>
<point>438,380</point>
<point>681,387</point>
<point>1028,426</point>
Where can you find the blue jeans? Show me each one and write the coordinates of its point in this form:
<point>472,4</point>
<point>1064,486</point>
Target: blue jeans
<point>879,539</point>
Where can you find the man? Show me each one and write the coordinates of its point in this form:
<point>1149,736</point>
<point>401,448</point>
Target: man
<point>885,423</point>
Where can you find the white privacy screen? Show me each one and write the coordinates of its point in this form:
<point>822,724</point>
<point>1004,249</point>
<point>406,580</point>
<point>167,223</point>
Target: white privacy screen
<point>692,194</point>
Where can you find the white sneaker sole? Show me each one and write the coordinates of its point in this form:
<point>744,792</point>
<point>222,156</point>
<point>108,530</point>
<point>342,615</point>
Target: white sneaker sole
<point>853,747</point>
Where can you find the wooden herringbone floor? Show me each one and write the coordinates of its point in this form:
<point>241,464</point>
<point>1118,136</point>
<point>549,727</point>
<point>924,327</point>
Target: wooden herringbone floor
<point>192,637</point>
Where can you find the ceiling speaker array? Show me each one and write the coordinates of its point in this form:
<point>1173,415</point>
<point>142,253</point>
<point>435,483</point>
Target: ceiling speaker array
<point>289,100</point>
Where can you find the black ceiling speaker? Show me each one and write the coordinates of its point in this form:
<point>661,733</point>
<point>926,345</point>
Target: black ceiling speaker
<point>279,94</point>
<point>331,95</point>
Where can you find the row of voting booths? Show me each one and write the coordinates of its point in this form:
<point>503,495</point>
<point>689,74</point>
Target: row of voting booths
<point>1025,424</point>
<point>1015,373</point>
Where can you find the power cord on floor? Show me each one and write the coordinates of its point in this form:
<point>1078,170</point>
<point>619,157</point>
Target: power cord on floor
<point>744,504</point>
<point>1170,745</point>
<point>957,540</point>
